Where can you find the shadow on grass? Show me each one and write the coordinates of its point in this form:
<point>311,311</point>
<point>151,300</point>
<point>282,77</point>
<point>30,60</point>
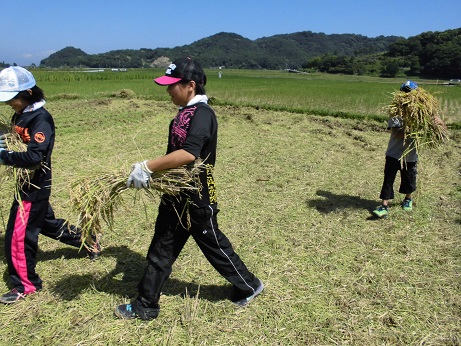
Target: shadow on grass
<point>124,278</point>
<point>330,202</point>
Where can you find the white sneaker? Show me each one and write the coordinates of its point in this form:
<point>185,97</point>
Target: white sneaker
<point>245,301</point>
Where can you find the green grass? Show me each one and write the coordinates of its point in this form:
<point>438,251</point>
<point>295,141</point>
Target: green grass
<point>319,94</point>
<point>295,192</point>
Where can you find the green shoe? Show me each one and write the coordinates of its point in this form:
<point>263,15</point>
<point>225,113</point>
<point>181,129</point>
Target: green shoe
<point>381,212</point>
<point>407,204</point>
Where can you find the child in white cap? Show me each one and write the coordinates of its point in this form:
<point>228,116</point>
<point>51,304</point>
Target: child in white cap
<point>31,214</point>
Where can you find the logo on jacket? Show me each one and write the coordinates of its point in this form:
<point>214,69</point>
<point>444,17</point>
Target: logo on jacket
<point>180,128</point>
<point>39,137</point>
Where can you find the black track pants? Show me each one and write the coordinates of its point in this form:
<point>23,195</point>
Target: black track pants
<point>408,173</point>
<point>169,239</point>
<point>21,241</point>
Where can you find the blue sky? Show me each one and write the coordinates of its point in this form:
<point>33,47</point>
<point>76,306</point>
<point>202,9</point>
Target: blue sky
<point>32,30</point>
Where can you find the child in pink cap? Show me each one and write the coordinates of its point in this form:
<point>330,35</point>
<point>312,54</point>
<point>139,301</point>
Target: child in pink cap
<point>193,135</point>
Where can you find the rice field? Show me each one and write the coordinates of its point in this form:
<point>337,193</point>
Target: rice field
<point>344,96</point>
<point>299,167</point>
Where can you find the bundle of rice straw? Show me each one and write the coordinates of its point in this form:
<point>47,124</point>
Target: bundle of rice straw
<point>95,198</point>
<point>421,113</point>
<point>20,176</point>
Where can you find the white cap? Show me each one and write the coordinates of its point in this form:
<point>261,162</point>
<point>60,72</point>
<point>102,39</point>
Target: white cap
<point>13,80</point>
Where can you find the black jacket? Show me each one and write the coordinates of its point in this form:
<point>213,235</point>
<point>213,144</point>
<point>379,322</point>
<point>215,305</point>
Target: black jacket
<point>37,130</point>
<point>195,129</point>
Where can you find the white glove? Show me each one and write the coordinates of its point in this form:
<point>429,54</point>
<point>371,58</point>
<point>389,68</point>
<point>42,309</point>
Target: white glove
<point>139,176</point>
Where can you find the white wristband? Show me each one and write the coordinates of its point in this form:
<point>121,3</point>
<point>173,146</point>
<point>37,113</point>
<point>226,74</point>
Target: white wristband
<point>145,168</point>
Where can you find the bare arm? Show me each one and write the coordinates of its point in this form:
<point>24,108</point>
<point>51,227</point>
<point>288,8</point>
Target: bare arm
<point>398,132</point>
<point>174,159</point>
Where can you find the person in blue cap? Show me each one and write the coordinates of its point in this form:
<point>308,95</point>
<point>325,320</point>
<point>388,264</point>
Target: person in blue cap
<point>407,165</point>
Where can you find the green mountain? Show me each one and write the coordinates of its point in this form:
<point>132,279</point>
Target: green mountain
<point>232,51</point>
<point>430,54</point>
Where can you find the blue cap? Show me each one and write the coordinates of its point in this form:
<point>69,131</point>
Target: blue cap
<point>408,86</point>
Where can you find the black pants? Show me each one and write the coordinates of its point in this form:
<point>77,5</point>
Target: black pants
<point>408,173</point>
<point>21,240</point>
<point>169,239</point>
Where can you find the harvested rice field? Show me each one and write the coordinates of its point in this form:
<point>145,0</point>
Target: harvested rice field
<point>296,192</point>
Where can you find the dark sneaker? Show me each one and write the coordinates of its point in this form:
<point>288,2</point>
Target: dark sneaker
<point>245,301</point>
<point>407,204</point>
<point>126,312</point>
<point>12,296</point>
<point>94,250</point>
<point>381,212</point>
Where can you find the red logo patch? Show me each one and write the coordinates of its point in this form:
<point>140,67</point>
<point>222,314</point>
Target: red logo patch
<point>39,137</point>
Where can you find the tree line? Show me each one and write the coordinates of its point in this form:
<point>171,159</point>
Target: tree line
<point>430,54</point>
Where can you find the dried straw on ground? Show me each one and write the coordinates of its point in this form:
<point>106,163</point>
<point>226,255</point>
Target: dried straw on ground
<point>421,114</point>
<point>95,198</point>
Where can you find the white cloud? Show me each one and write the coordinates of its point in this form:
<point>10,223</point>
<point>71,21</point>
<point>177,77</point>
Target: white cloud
<point>33,58</point>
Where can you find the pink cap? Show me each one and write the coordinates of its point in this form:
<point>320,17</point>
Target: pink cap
<point>166,80</point>
<point>182,69</point>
